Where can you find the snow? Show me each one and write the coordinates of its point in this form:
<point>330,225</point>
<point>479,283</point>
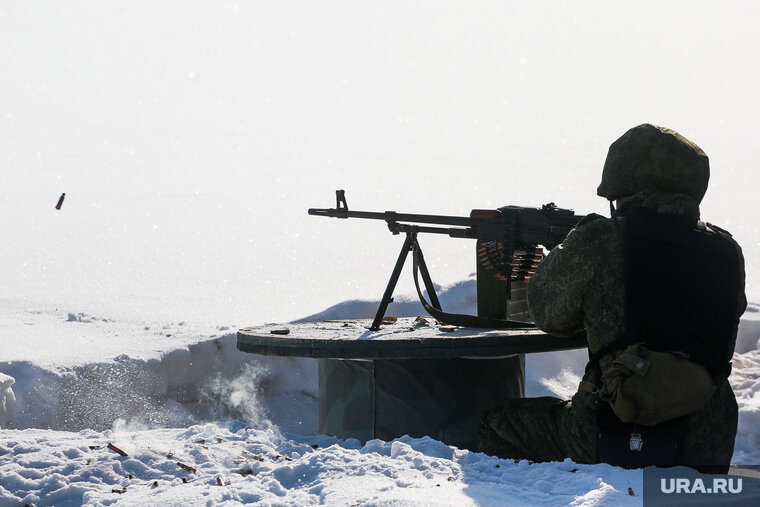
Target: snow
<point>190,138</point>
<point>232,463</point>
<point>7,399</point>
<point>249,423</point>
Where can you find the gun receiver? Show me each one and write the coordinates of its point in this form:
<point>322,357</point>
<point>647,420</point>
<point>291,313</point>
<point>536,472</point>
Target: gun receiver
<point>508,238</point>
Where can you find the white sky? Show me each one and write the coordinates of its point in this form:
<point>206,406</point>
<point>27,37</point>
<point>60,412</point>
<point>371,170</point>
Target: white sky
<point>191,137</point>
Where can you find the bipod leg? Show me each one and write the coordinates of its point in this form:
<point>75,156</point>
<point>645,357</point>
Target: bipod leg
<point>426,277</point>
<point>411,239</point>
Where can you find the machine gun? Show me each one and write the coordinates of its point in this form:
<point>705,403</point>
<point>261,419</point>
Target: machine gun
<point>508,239</point>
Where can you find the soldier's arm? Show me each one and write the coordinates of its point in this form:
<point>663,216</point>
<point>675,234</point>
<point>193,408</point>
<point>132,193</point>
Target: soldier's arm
<point>555,292</point>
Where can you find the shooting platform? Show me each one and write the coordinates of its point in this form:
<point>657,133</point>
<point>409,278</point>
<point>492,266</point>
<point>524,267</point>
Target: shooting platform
<point>389,377</point>
<point>412,376</point>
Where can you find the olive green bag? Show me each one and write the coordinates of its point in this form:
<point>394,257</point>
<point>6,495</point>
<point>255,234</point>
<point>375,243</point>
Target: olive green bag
<point>648,387</point>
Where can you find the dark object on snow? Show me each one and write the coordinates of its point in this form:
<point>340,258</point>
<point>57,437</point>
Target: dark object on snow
<point>507,246</point>
<point>60,201</point>
<point>280,331</point>
<point>117,450</point>
<point>187,468</point>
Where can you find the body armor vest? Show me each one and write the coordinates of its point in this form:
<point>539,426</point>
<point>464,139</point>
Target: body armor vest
<point>682,282</point>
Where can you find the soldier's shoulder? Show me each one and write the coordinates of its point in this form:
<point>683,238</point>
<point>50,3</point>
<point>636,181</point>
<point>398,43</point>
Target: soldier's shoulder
<point>591,217</point>
<point>590,235</point>
<point>594,225</point>
<point>716,229</point>
<point>723,233</point>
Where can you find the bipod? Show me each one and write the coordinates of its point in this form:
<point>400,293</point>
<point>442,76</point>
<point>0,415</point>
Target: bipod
<point>410,245</point>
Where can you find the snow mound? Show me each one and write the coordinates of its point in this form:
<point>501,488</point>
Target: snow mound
<point>231,463</point>
<point>205,381</point>
<point>83,317</point>
<point>748,337</point>
<point>745,380</point>
<point>210,380</point>
<point>206,424</point>
<point>459,297</point>
<point>7,399</point>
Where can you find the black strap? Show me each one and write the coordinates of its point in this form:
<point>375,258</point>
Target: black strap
<point>458,319</point>
<point>687,262</point>
<point>630,445</point>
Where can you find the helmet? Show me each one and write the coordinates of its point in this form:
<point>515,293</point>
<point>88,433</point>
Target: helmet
<point>649,157</point>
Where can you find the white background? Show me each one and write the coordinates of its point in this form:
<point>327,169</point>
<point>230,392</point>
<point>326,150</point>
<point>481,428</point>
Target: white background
<point>191,137</point>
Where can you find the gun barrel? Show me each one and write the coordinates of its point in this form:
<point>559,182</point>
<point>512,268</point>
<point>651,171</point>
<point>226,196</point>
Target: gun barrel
<point>392,216</point>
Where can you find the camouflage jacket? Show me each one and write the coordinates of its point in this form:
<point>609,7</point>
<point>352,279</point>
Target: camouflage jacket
<point>580,284</point>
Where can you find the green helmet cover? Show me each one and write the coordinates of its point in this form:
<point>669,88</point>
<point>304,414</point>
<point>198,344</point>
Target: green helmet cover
<point>649,157</point>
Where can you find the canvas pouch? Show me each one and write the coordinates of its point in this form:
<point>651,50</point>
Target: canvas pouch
<point>648,387</point>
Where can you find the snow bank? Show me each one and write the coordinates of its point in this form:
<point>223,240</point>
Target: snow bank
<point>205,381</point>
<point>229,463</point>
<point>745,380</point>
<point>210,380</point>
<point>56,339</point>
<point>748,337</point>
<point>7,399</point>
<point>207,424</point>
<point>459,297</point>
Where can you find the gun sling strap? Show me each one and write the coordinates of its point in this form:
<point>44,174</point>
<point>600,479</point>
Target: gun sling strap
<point>455,319</point>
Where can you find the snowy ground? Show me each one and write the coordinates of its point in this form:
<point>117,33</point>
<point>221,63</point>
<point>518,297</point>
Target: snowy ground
<point>191,137</point>
<point>232,462</point>
<point>239,422</point>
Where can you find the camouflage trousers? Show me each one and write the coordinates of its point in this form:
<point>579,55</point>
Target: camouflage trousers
<point>540,429</point>
<point>550,429</point>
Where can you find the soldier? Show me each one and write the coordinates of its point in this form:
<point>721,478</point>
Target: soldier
<point>655,289</point>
